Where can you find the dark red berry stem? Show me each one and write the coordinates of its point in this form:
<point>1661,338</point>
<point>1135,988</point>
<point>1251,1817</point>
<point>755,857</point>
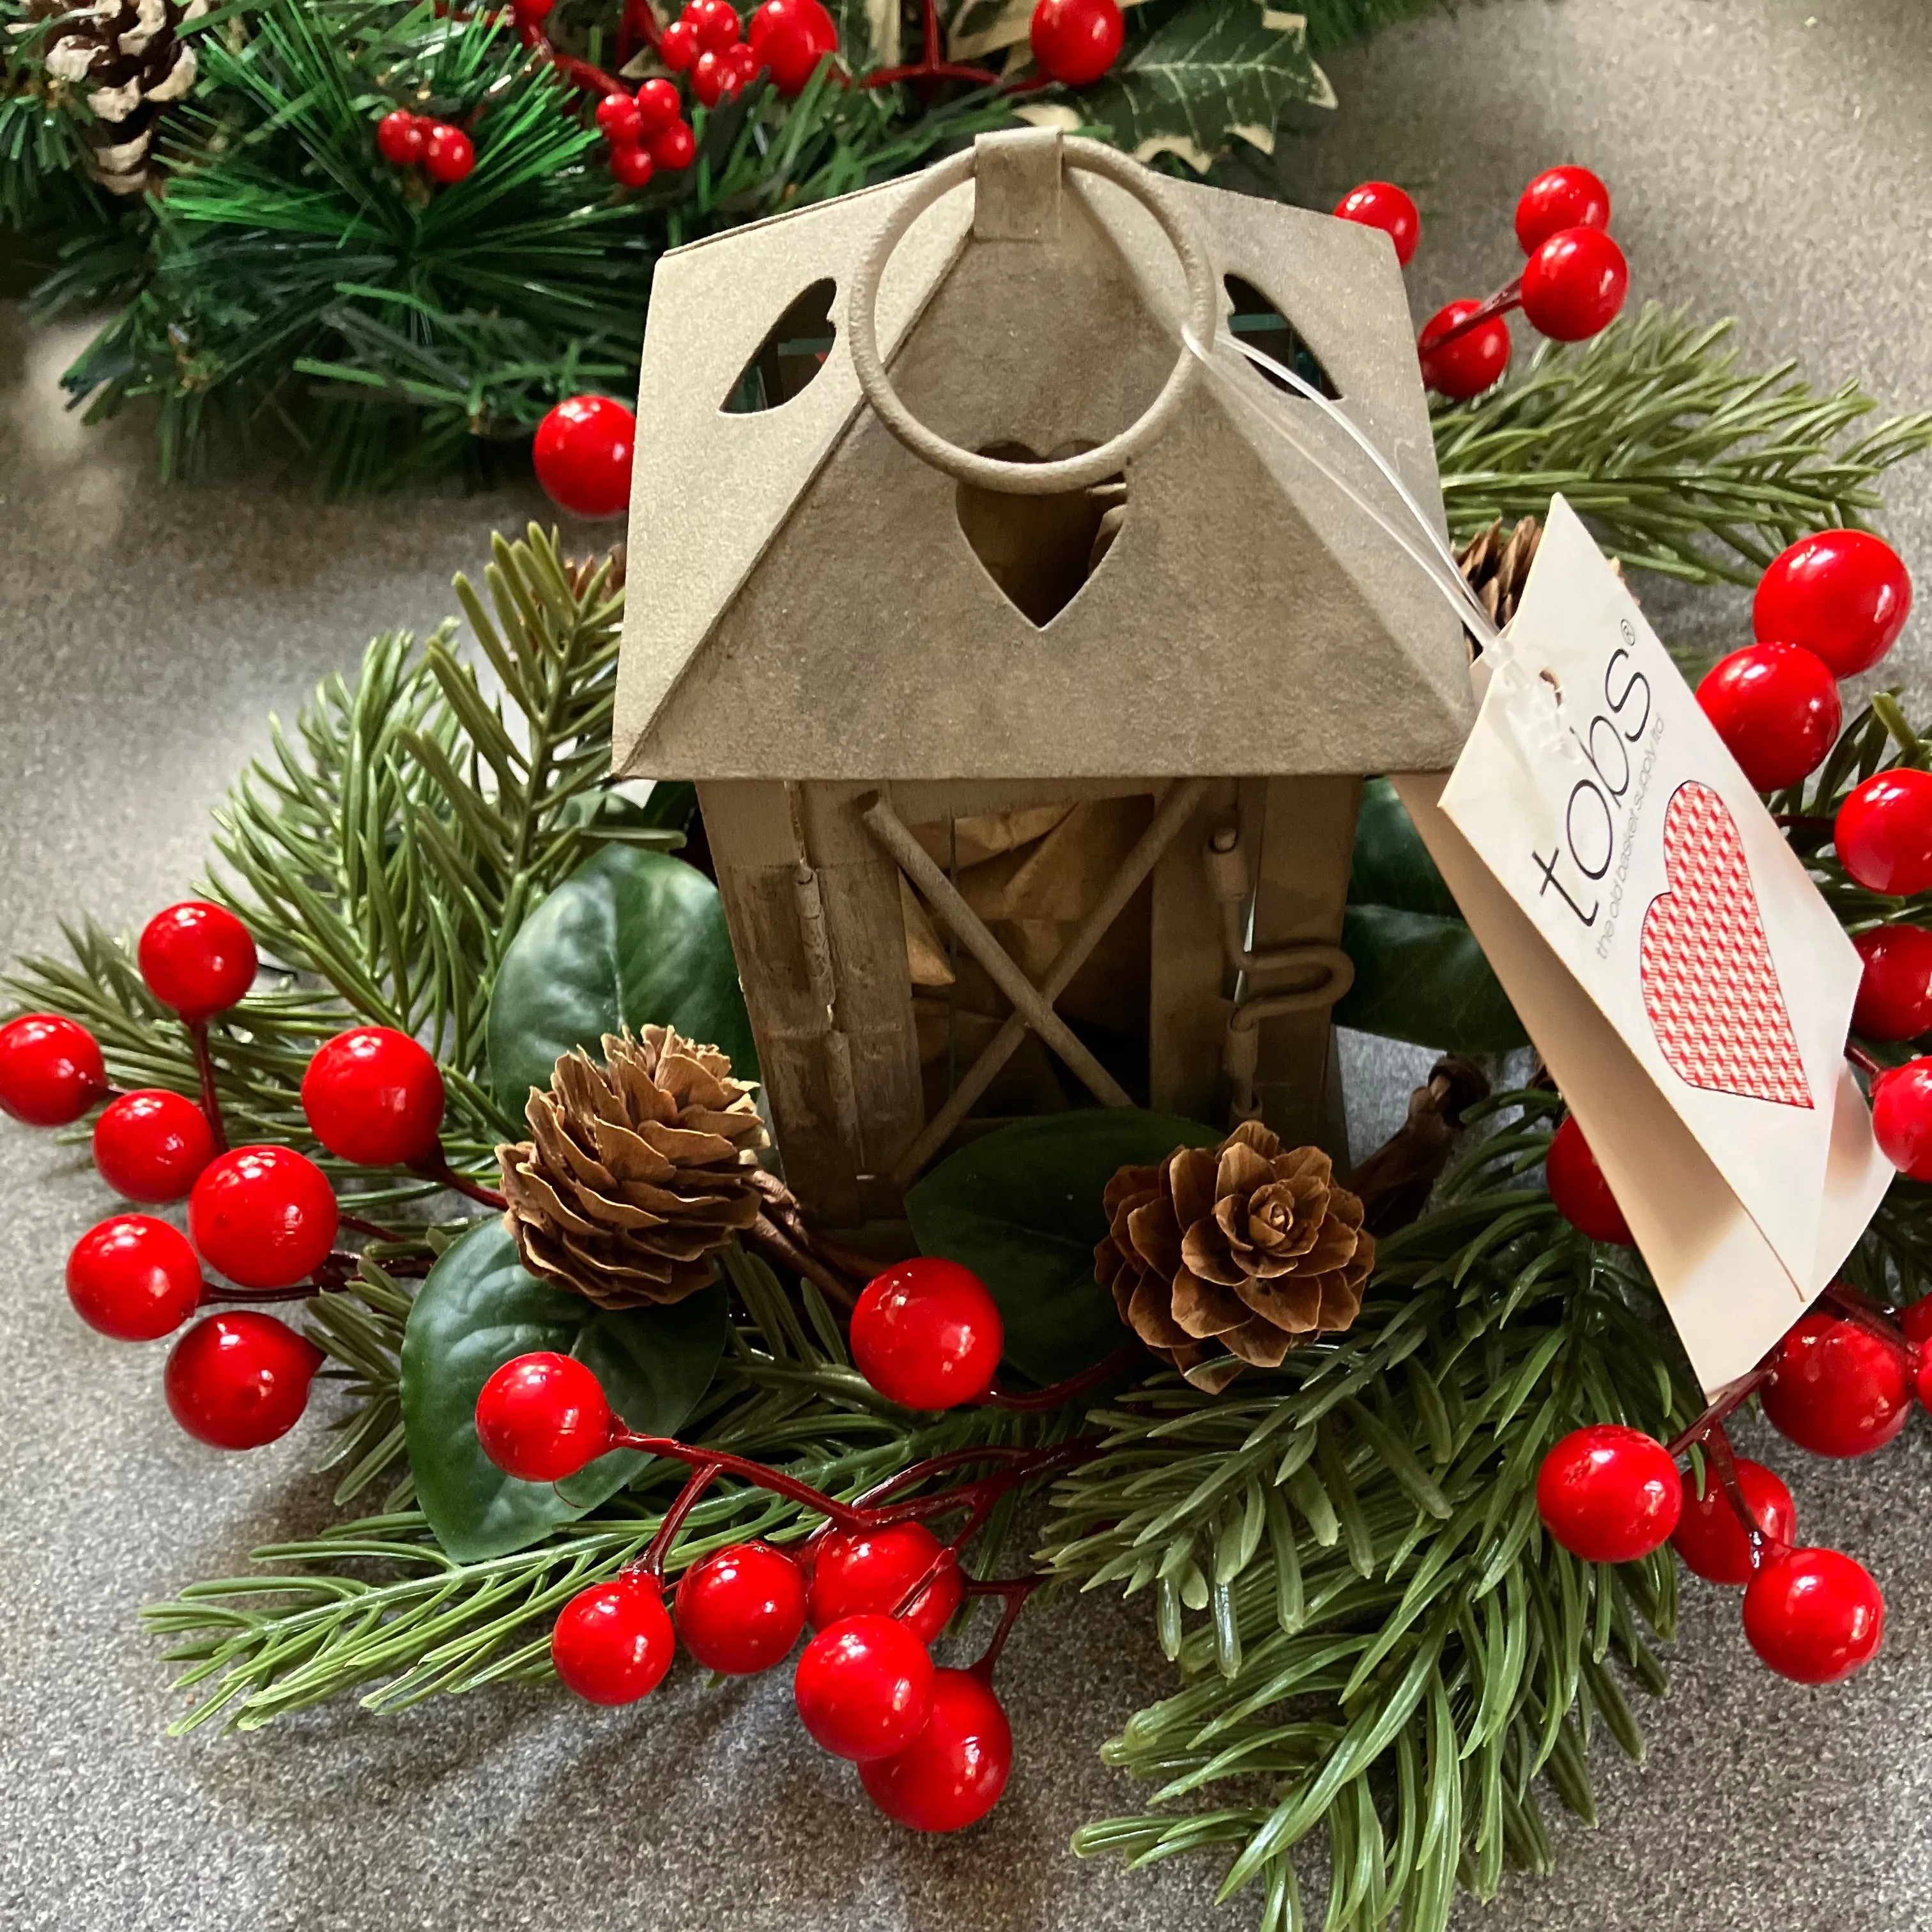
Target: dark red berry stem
<point>652,1563</point>
<point>216,1293</point>
<point>1015,1590</point>
<point>1868,1315</point>
<point>929,66</point>
<point>374,1230</point>
<point>1717,1447</point>
<point>211,1101</point>
<point>1735,1397</point>
<point>1509,296</point>
<point>1870,1068</point>
<point>436,1167</point>
<point>1056,1395</point>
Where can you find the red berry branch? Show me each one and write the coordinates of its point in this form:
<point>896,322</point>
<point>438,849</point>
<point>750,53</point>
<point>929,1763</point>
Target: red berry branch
<point>873,1581</point>
<point>264,1218</point>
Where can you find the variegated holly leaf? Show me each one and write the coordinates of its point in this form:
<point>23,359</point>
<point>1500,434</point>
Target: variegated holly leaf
<point>1221,71</point>
<point>974,28</point>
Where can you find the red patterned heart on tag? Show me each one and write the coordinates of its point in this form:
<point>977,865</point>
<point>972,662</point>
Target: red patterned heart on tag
<point>1709,985</point>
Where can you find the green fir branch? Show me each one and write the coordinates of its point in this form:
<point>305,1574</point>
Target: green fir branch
<point>385,854</point>
<point>1681,463</point>
<point>375,1606</point>
<point>1375,1640</point>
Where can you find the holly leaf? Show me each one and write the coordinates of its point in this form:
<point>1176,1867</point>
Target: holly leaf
<point>477,1309</point>
<point>1219,70</point>
<point>1022,1209</point>
<point>633,938</point>
<point>1419,975</point>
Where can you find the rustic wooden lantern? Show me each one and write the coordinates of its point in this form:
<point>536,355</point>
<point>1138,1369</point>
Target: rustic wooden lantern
<point>1028,674</point>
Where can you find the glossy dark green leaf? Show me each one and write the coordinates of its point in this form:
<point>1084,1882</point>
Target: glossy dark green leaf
<point>478,1309</point>
<point>1420,976</point>
<point>631,938</point>
<point>1022,1209</point>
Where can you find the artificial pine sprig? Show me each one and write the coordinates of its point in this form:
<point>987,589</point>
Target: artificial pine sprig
<point>1388,1640</point>
<point>1680,462</point>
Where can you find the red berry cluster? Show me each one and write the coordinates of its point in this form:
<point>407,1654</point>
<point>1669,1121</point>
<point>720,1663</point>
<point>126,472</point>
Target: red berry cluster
<point>1075,42</point>
<point>1840,1384</point>
<point>1572,286</point>
<point>646,131</point>
<point>876,1586</point>
<point>1830,606</point>
<point>444,153</point>
<point>265,1216</point>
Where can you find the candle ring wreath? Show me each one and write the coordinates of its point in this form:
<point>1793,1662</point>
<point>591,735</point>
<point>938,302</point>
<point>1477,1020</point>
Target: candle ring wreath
<point>745,1222</point>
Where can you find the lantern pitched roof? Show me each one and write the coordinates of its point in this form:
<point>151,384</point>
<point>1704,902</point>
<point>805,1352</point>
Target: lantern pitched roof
<point>809,599</point>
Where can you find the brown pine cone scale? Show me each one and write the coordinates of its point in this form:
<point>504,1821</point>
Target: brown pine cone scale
<point>1223,1257</point>
<point>638,1171</point>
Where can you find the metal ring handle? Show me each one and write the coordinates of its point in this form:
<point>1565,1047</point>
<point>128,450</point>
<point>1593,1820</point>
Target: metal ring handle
<point>1071,472</point>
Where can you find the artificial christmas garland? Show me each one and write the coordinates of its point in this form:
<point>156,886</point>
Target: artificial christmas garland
<point>1391,1572</point>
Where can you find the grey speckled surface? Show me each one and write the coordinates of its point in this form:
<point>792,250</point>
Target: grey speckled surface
<point>1770,157</point>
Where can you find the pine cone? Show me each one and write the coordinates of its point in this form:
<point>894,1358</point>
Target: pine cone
<point>640,1171</point>
<point>1241,1249</point>
<point>127,58</point>
<point>1497,569</point>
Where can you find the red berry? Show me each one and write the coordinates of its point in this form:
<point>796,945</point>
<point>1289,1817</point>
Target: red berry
<point>1776,707</point>
<point>530,12</point>
<point>1076,41</point>
<point>676,148</point>
<point>614,1643</point>
<point>197,958</point>
<point>1901,1105</point>
<point>864,1686</point>
<point>1883,832</point>
<point>1814,1616</point>
<point>742,1610</point>
<point>1576,1185</point>
<point>746,65</point>
<point>715,21</point>
<point>658,105</point>
<point>791,37</point>
<point>1916,1321</point>
<point>134,1278</point>
<point>926,1334</point>
<point>543,1416</point>
<point>713,76</point>
<point>583,454</point>
<point>151,1145</point>
<point>1382,205</point>
<point>869,1571</point>
<point>448,153</point>
<point>1562,197</point>
<point>1836,1388</point>
<point>620,121</point>
<point>678,46</point>
<point>951,1775</point>
<point>239,1379</point>
<point>1894,999</point>
<point>1609,1494</point>
<point>265,1216</point>
<point>51,1070</point>
<point>632,167</point>
<point>1473,362</point>
<point>1574,283</point>
<point>1709,1536</point>
<point>399,136</point>
<point>374,1097</point>
<point>1842,593</point>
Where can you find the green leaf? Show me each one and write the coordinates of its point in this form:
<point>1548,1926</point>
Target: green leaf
<point>1021,1208</point>
<point>631,938</point>
<point>477,1310</point>
<point>1419,975</point>
<point>1218,69</point>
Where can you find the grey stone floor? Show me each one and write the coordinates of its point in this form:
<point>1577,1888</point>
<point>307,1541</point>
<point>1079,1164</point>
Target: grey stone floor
<point>1771,157</point>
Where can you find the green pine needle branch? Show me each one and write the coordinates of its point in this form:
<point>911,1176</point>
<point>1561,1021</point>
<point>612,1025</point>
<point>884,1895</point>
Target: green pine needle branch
<point>385,854</point>
<point>375,1606</point>
<point>1681,463</point>
<point>1376,1640</point>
